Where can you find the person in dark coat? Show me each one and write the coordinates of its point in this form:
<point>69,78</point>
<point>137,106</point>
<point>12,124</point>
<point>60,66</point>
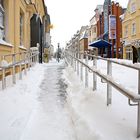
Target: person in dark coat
<point>135,55</point>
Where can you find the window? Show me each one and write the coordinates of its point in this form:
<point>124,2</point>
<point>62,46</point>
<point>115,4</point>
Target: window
<point>133,28</point>
<point>133,7</point>
<point>90,33</point>
<point>126,31</point>
<point>94,30</point>
<point>21,29</point>
<point>1,20</point>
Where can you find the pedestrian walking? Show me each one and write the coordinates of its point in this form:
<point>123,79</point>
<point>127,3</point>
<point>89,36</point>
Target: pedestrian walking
<point>135,55</point>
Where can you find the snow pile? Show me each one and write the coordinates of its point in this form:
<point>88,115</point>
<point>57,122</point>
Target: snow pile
<point>76,96</point>
<point>92,118</point>
<point>4,63</point>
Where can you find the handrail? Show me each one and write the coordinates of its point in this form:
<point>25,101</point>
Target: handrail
<point>119,63</point>
<point>30,57</point>
<point>109,79</point>
<point>10,65</point>
<point>131,95</point>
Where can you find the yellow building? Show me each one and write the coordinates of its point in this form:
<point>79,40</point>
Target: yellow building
<point>131,28</point>
<point>16,24</point>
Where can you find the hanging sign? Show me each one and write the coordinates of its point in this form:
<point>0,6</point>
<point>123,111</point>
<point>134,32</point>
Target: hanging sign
<point>112,27</point>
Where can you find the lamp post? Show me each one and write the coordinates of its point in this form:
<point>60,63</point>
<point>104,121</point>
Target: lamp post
<point>58,55</point>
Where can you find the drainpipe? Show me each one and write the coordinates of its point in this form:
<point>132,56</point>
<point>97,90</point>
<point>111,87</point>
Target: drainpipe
<point>14,28</point>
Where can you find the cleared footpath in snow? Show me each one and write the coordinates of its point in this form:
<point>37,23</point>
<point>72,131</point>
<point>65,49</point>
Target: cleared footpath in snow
<point>35,108</point>
<point>50,118</point>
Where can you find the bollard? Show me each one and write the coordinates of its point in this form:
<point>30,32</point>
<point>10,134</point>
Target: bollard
<point>25,66</point>
<point>86,72</point>
<point>71,58</point>
<point>13,68</point>
<point>75,61</point>
<point>29,63</point>
<point>3,79</point>
<point>31,58</point>
<point>3,76</point>
<point>81,68</point>
<point>109,88</point>
<point>77,64</point>
<point>94,75</point>
<point>20,66</point>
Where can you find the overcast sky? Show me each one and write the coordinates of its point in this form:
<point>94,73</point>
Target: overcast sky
<point>68,16</point>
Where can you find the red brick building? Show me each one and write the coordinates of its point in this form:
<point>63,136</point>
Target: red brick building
<point>100,32</point>
<point>116,50</point>
<point>117,11</point>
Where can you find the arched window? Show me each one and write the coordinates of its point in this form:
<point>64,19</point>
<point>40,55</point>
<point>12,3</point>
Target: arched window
<point>1,19</point>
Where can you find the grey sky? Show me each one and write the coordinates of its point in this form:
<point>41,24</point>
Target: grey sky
<point>68,16</point>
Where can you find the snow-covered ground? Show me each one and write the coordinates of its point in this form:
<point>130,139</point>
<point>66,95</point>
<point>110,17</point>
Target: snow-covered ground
<point>93,119</point>
<point>38,108</point>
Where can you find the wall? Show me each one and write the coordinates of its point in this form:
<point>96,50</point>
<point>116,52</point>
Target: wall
<point>13,8</point>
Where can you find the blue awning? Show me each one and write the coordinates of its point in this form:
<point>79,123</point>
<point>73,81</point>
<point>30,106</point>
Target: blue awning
<point>100,44</point>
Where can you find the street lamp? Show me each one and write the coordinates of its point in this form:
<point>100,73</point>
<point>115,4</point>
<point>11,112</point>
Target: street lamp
<point>58,55</point>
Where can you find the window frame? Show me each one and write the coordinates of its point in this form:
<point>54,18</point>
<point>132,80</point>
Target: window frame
<point>133,31</point>
<point>126,31</point>
<point>21,28</point>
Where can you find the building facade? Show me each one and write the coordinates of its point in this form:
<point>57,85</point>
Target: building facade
<point>83,41</point>
<point>108,26</point>
<point>21,25</point>
<point>93,32</point>
<point>75,43</point>
<point>131,28</point>
<point>117,47</point>
<point>48,47</point>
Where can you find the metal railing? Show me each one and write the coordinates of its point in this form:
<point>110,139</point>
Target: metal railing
<point>23,60</point>
<point>70,58</point>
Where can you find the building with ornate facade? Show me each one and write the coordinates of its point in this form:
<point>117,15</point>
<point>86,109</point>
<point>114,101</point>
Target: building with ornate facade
<point>131,29</point>
<point>22,25</point>
<point>93,32</point>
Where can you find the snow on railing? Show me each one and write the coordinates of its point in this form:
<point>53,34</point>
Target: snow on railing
<point>76,60</point>
<point>21,60</point>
